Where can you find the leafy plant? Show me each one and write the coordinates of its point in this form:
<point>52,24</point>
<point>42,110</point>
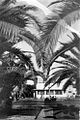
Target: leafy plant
<point>68,68</point>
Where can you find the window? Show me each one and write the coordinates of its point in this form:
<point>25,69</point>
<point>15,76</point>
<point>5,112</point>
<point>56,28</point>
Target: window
<point>58,92</point>
<point>39,92</point>
<point>52,92</point>
<point>47,92</point>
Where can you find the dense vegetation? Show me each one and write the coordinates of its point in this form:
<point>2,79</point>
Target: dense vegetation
<point>18,23</point>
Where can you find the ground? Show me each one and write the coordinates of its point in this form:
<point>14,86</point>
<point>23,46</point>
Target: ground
<point>49,112</point>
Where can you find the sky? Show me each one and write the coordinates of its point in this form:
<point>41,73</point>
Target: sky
<point>45,2</point>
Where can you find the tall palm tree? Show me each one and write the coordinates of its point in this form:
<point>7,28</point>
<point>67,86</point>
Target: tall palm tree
<point>44,47</point>
<point>19,20</point>
<point>65,15</point>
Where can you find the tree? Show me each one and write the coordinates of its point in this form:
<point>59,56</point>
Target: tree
<point>62,26</point>
<point>68,67</point>
<point>11,62</point>
<point>42,44</point>
<point>8,81</point>
<point>17,23</point>
<point>65,14</point>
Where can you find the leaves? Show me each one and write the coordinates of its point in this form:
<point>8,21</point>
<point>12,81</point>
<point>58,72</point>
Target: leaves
<point>69,82</point>
<point>65,14</point>
<point>62,25</point>
<point>53,77</point>
<point>68,67</point>
<point>18,23</point>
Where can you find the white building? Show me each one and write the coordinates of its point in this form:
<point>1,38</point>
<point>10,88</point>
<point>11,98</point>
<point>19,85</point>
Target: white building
<point>41,92</point>
<point>55,91</point>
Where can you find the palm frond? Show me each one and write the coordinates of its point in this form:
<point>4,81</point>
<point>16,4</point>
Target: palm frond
<point>73,61</point>
<point>9,31</point>
<point>65,25</point>
<point>53,77</point>
<point>51,21</point>
<point>17,23</point>
<point>35,45</point>
<point>62,50</point>
<point>75,53</point>
<point>8,47</point>
<point>63,7</point>
<point>15,33</point>
<point>29,7</point>
<point>60,9</point>
<point>70,65</point>
<point>65,74</point>
<point>60,67</point>
<point>69,82</point>
<point>59,29</point>
<point>62,25</point>
<point>20,17</point>
<point>67,63</point>
<point>52,3</point>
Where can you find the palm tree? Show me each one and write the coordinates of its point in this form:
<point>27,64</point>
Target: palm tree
<point>47,52</point>
<point>65,14</point>
<point>18,23</point>
<point>17,16</point>
<point>68,67</point>
<point>15,24</point>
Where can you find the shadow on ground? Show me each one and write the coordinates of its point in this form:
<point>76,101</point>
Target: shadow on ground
<point>51,109</point>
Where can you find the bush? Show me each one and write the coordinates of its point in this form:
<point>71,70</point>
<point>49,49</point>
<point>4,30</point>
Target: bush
<point>53,99</point>
<point>46,100</point>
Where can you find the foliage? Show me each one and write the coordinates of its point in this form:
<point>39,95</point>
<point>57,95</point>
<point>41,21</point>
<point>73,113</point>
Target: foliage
<point>17,23</point>
<point>65,13</point>
<point>68,67</point>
